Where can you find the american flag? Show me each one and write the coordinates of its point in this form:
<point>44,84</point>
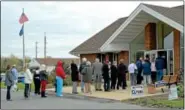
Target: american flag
<point>23,18</point>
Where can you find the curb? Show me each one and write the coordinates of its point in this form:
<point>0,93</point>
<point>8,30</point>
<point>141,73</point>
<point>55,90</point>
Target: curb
<point>83,97</point>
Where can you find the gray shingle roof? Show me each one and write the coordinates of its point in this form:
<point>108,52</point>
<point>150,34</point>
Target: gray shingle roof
<point>174,13</point>
<point>95,42</point>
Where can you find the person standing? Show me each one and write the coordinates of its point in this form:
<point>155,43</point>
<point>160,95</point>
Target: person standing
<point>27,80</point>
<point>9,82</point>
<point>153,69</point>
<point>122,75</point>
<point>139,69</point>
<point>15,74</point>
<point>87,77</point>
<point>159,64</point>
<point>82,65</point>
<point>74,77</point>
<point>60,76</point>
<point>147,71</point>
<point>132,68</point>
<point>105,71</point>
<point>97,72</point>
<point>114,74</point>
<point>43,79</point>
<point>36,79</point>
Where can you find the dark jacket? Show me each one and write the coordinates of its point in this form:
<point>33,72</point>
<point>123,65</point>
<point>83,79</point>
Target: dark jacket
<point>105,72</point>
<point>139,65</point>
<point>74,72</point>
<point>43,75</point>
<point>9,79</point>
<point>122,69</point>
<point>82,66</point>
<point>159,63</point>
<point>146,68</point>
<point>36,76</point>
<point>114,71</point>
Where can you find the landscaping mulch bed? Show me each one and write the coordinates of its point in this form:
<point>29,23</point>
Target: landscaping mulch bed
<point>160,101</point>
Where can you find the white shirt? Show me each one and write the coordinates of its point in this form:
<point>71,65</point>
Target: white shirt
<point>28,77</point>
<point>131,68</point>
<point>153,68</point>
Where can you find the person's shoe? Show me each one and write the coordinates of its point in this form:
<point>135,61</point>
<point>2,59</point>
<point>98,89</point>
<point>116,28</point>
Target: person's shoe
<point>9,99</point>
<point>124,88</point>
<point>100,90</point>
<point>97,89</point>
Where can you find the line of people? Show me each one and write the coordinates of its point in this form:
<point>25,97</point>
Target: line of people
<point>89,73</point>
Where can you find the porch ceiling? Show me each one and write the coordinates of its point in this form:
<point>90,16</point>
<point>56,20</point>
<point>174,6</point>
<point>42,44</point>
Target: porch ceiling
<point>134,28</point>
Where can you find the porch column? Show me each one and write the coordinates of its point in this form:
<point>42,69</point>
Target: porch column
<point>176,44</point>
<point>150,36</point>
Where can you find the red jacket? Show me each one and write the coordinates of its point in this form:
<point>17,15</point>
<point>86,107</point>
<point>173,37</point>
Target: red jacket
<point>60,71</point>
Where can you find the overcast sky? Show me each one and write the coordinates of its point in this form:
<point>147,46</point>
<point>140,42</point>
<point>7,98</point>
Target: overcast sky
<point>67,24</point>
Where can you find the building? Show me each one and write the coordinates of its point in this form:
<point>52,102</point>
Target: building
<point>148,30</point>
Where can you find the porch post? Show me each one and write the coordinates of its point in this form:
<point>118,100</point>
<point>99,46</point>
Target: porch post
<point>176,44</point>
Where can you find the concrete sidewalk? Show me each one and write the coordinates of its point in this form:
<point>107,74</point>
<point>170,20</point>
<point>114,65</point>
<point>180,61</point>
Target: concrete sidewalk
<point>117,95</point>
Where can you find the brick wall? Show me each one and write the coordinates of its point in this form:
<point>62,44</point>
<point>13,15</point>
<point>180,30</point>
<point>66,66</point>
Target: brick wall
<point>124,55</point>
<point>176,44</point>
<point>90,57</point>
<point>150,36</point>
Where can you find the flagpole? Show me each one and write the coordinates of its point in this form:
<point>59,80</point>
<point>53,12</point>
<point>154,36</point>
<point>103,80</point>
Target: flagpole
<point>23,45</point>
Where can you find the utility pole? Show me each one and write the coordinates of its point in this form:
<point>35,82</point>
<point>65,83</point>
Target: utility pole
<point>36,51</point>
<point>45,48</point>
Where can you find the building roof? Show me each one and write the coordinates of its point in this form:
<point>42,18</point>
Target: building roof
<point>95,42</point>
<point>174,13</point>
<point>53,61</point>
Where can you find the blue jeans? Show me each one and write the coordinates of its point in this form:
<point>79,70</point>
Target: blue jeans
<point>59,86</point>
<point>159,75</point>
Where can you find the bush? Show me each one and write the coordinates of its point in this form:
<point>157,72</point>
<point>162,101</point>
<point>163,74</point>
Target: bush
<point>180,90</point>
<point>67,81</point>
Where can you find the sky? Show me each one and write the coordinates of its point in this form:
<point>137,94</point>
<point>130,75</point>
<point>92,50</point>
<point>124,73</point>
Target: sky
<point>67,24</point>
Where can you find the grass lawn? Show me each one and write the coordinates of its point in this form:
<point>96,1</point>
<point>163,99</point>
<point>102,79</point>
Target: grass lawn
<point>157,102</point>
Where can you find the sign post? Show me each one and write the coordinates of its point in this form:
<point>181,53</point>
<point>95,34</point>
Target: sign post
<point>137,91</point>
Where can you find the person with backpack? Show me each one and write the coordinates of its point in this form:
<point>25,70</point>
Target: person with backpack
<point>139,69</point>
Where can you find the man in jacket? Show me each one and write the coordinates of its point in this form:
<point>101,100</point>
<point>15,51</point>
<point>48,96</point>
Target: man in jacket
<point>159,64</point>
<point>97,73</point>
<point>147,71</point>
<point>122,75</point>
<point>82,66</point>
<point>139,69</point>
<point>28,78</point>
<point>15,74</point>
<point>60,76</point>
<point>105,71</point>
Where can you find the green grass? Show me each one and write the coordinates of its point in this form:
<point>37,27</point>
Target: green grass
<point>157,102</point>
<point>19,85</point>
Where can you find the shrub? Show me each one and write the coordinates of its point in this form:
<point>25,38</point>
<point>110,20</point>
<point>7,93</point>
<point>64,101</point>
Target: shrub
<point>67,81</point>
<point>180,90</point>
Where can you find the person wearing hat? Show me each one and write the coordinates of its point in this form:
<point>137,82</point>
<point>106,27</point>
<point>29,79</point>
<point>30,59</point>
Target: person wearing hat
<point>43,78</point>
<point>15,77</point>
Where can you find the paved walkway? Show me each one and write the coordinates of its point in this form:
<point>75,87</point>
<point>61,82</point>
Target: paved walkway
<point>114,95</point>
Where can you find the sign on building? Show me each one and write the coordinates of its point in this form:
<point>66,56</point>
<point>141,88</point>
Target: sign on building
<point>137,91</point>
<point>173,93</point>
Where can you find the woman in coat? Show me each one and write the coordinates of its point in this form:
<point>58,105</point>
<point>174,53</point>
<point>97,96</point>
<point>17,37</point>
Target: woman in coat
<point>43,79</point>
<point>87,77</point>
<point>9,82</point>
<point>60,76</point>
<point>74,77</point>
<point>28,78</point>
<point>36,79</point>
<point>114,74</point>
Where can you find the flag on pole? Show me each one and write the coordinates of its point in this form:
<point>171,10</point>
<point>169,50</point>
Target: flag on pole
<point>21,31</point>
<point>23,18</point>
